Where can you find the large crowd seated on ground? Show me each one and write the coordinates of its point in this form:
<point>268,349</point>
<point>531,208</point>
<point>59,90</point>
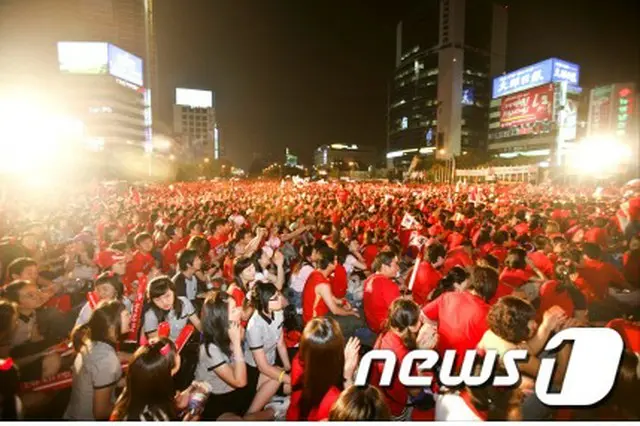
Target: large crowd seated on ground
<point>256,300</point>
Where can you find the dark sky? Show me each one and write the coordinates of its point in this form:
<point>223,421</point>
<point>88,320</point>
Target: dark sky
<point>305,73</point>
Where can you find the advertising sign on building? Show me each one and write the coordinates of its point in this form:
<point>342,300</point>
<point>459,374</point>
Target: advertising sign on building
<point>550,71</point>
<point>194,98</point>
<point>124,65</point>
<point>524,108</point>
<point>626,109</point>
<point>78,57</point>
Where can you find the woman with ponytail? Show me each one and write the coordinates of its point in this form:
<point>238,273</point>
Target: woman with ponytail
<point>96,369</point>
<point>399,335</point>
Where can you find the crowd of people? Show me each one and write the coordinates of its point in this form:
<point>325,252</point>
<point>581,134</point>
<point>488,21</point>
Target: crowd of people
<point>256,300</point>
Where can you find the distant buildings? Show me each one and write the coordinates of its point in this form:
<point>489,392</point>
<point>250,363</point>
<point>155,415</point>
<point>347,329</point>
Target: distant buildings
<point>194,122</point>
<point>344,156</point>
<point>446,53</point>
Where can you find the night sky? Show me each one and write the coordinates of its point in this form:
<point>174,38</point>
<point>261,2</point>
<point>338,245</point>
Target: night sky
<point>299,74</point>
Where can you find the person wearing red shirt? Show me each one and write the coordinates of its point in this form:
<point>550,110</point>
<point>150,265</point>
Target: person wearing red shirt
<point>323,367</point>
<point>597,276</point>
<point>244,273</point>
<point>339,279</point>
<point>563,294</point>
<point>522,227</point>
<point>171,249</point>
<point>319,301</point>
<point>399,336</point>
<point>142,262</point>
<point>427,276</point>
<point>219,236</point>
<point>630,332</point>
<point>631,263</point>
<point>380,290</point>
<point>598,234</point>
<point>498,248</point>
<point>461,256</point>
<point>462,316</point>
<point>540,257</point>
<point>370,249</point>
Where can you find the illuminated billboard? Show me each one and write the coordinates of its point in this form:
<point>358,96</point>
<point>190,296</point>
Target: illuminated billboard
<point>194,98</point>
<point>550,71</point>
<point>612,109</point>
<point>79,57</point>
<point>525,108</point>
<point>124,65</point>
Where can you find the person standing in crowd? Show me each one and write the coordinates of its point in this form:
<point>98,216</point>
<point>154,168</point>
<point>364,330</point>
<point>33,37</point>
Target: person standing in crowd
<point>461,317</point>
<point>263,258</point>
<point>10,403</point>
<point>318,300</point>
<point>222,365</point>
<point>323,367</point>
<point>96,369</point>
<point>364,404</point>
<point>456,280</point>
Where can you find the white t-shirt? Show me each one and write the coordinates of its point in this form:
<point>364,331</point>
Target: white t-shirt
<point>349,263</point>
<point>298,280</point>
<point>451,407</point>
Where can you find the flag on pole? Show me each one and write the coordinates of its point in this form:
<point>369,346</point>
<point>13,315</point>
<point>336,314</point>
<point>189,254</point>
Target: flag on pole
<point>409,222</point>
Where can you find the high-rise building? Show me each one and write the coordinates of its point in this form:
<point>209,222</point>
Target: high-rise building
<point>446,53</point>
<point>194,122</point>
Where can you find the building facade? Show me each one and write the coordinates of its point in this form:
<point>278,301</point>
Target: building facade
<point>446,53</point>
<point>194,119</point>
<point>338,155</point>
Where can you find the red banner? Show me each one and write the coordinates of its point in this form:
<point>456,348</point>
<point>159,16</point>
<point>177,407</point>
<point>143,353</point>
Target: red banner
<point>532,106</point>
<point>136,315</point>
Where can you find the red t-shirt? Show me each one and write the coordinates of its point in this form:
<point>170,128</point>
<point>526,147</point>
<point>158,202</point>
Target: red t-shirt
<point>312,304</point>
<point>597,277</point>
<point>549,297</point>
<point>396,394</point>
<point>170,255</point>
<point>215,241</point>
<point>630,332</point>
<point>543,263</point>
<point>515,277</point>
<point>427,279</point>
<point>597,236</point>
<point>140,263</point>
<point>456,257</point>
<point>631,268</point>
<point>369,254</point>
<point>379,293</point>
<point>317,414</point>
<point>462,321</point>
<point>454,240</point>
<point>339,282</point>
<point>237,294</point>
<point>499,252</point>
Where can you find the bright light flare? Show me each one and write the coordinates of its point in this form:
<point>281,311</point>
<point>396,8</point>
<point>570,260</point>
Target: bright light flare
<point>599,156</point>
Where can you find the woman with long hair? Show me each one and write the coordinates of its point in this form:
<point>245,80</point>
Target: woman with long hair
<point>244,274</point>
<point>399,335</point>
<point>165,306</point>
<point>360,404</point>
<point>149,393</point>
<point>265,341</point>
<point>96,369</point>
<point>222,364</point>
<point>456,280</point>
<point>321,370</point>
